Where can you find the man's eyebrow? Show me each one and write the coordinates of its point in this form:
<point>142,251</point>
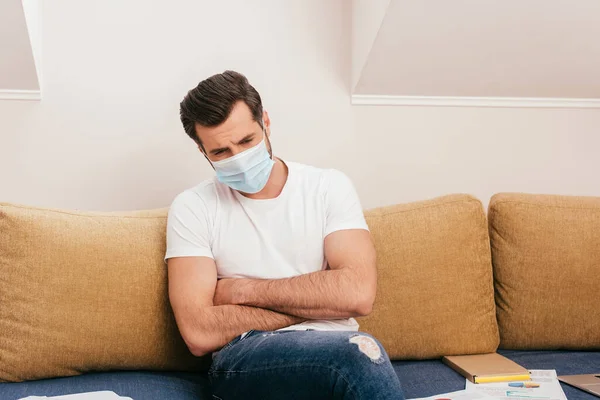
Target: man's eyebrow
<point>248,136</point>
<point>219,150</point>
<point>223,149</point>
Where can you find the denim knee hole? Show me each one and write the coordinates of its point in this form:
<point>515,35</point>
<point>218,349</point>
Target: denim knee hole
<point>368,346</point>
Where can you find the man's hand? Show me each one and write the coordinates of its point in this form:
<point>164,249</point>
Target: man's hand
<point>230,291</point>
<point>225,291</point>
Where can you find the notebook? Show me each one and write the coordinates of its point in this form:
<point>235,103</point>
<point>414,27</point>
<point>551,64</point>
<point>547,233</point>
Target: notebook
<point>487,368</point>
<point>589,383</point>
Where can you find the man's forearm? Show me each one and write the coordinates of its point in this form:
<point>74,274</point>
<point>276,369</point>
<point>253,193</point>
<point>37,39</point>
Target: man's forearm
<point>317,295</point>
<point>221,324</point>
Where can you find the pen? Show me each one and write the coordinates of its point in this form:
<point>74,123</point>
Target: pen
<point>524,384</point>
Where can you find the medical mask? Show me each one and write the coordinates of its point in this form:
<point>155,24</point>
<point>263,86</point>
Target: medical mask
<point>247,171</point>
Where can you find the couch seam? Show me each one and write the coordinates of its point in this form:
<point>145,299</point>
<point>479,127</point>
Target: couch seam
<point>82,213</point>
<point>472,200</point>
<point>497,203</point>
<point>487,249</point>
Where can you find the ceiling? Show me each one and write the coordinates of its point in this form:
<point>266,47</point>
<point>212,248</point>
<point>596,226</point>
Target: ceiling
<point>480,48</point>
<point>17,59</point>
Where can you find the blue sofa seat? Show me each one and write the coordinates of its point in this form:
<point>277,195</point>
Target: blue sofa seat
<point>419,379</point>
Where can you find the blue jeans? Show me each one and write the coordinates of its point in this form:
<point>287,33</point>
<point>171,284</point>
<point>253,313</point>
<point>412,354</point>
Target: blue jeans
<point>303,365</point>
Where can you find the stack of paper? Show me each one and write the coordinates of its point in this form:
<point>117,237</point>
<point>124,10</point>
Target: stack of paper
<point>549,387</point>
<point>102,395</point>
<point>459,395</point>
<point>544,384</point>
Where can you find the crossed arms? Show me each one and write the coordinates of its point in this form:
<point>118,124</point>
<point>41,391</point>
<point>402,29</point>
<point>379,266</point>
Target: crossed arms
<point>210,313</point>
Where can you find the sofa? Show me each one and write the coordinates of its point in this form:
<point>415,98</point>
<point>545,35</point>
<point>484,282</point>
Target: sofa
<point>84,301</point>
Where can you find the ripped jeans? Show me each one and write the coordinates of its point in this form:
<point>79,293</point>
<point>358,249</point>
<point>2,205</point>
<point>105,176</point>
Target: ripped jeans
<point>303,365</point>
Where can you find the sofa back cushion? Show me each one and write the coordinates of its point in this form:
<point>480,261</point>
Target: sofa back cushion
<point>435,289</point>
<point>546,255</point>
<point>85,291</point>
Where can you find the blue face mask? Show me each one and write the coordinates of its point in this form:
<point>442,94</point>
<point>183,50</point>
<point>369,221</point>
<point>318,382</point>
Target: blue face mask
<point>248,171</point>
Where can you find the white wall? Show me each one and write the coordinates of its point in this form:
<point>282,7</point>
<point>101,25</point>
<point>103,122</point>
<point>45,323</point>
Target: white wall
<point>107,135</point>
<point>412,153</point>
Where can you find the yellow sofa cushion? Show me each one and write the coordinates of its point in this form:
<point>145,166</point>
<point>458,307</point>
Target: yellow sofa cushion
<point>546,255</point>
<point>85,291</point>
<point>435,289</point>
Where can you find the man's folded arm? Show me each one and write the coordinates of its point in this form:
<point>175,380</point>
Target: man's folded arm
<point>205,327</point>
<point>345,290</point>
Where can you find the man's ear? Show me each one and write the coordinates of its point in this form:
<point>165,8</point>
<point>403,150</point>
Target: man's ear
<point>267,121</point>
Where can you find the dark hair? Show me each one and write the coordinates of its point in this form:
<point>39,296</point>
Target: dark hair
<point>210,103</point>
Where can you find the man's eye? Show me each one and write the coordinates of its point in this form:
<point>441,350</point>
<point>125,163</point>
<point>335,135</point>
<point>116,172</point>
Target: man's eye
<point>219,152</point>
<point>246,141</point>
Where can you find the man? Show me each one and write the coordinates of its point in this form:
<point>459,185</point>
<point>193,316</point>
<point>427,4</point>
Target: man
<point>270,262</point>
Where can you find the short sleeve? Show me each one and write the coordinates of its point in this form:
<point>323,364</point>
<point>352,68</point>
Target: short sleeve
<point>342,205</point>
<point>188,228</point>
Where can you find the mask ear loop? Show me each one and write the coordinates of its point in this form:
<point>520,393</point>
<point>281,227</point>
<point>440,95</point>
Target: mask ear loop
<point>207,159</point>
<point>266,137</point>
<point>205,156</point>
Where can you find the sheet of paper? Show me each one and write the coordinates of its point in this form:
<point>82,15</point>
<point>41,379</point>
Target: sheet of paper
<point>459,395</point>
<point>549,389</point>
<point>101,395</point>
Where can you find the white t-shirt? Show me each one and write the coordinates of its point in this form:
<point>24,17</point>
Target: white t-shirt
<point>267,239</point>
